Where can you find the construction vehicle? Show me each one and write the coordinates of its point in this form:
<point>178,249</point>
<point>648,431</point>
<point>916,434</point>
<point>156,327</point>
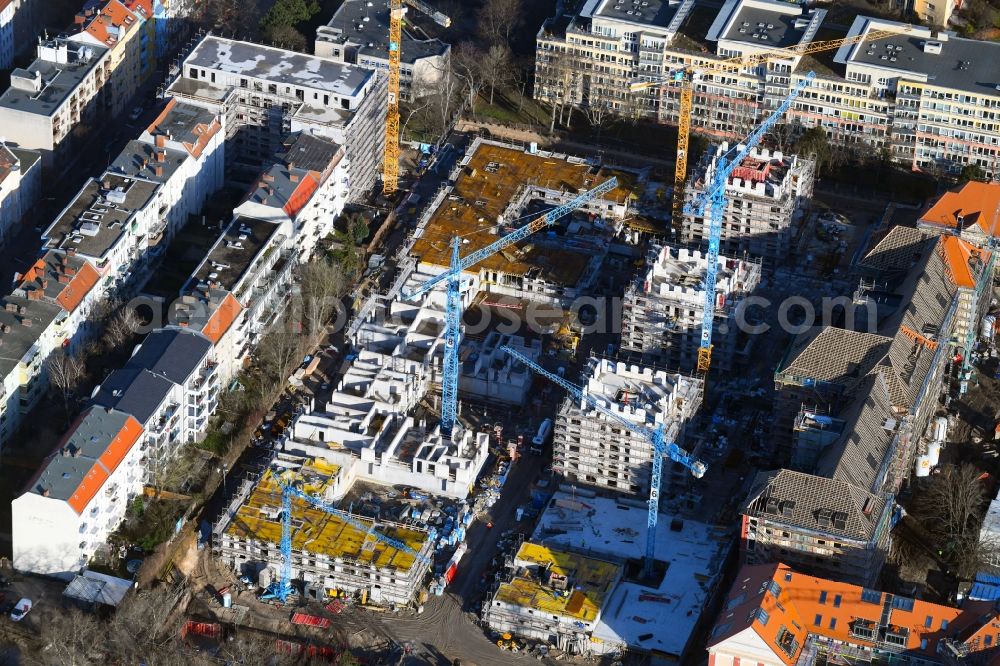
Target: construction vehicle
<point>453,276</point>
<point>714,197</point>
<point>390,165</point>
<point>686,77</point>
<point>282,588</point>
<point>655,436</point>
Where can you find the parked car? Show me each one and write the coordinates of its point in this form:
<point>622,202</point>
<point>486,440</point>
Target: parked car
<point>22,608</point>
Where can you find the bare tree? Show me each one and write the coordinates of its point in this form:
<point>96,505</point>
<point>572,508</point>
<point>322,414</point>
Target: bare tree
<point>323,285</point>
<point>278,354</point>
<point>949,507</point>
<point>498,19</point>
<point>65,371</point>
<point>495,67</point>
<point>467,61</point>
<point>121,325</point>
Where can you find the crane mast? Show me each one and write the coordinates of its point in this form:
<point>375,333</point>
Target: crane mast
<point>453,277</point>
<point>714,197</point>
<point>656,436</point>
<point>390,164</point>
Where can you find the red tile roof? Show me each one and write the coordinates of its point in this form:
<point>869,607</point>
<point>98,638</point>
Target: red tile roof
<point>105,466</point>
<point>976,203</point>
<point>79,287</point>
<point>220,320</point>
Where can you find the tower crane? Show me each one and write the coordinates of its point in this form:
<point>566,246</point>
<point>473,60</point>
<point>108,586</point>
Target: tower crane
<point>714,196</point>
<point>390,165</point>
<point>685,79</point>
<point>453,309</point>
<point>282,589</point>
<point>656,437</point>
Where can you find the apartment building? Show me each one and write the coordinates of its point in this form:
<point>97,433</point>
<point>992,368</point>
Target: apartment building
<point>970,211</point>
<point>935,12</point>
<point>358,34</point>
<point>80,495</point>
<point>338,553</point>
<point>591,449</point>
<point>16,19</point>
<point>170,385</point>
<point>767,197</point>
<point>776,616</point>
<point>904,94</point>
<point>47,309</point>
<point>125,28</point>
<point>833,518</point>
<point>20,183</point>
<point>56,99</point>
<point>307,187</point>
<point>663,310</point>
<point>263,93</point>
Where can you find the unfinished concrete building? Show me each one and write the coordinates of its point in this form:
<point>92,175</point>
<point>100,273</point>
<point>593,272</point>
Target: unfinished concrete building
<point>591,449</point>
<point>328,552</point>
<point>766,197</point>
<point>663,309</point>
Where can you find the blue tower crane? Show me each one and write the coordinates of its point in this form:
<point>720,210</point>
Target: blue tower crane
<point>655,436</point>
<point>453,277</point>
<point>282,589</point>
<point>715,196</point>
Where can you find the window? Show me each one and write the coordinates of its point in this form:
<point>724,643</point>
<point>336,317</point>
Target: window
<point>822,597</point>
<point>988,641</point>
<point>871,596</point>
<point>836,602</point>
<point>944,624</point>
<point>928,621</point>
<point>819,620</point>
<point>833,623</point>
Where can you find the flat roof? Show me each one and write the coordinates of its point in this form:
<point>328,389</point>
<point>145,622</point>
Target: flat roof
<point>661,619</point>
<point>644,12</point>
<point>97,218</point>
<point>58,80</point>
<point>588,582</point>
<point>322,533</point>
<point>366,23</point>
<point>492,177</point>
<point>141,160</point>
<point>234,252</point>
<point>16,339</point>
<point>766,28</point>
<point>278,65</point>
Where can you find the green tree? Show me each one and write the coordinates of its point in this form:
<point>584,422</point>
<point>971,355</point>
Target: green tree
<point>289,13</point>
<point>285,36</point>
<point>358,227</point>
<point>972,172</point>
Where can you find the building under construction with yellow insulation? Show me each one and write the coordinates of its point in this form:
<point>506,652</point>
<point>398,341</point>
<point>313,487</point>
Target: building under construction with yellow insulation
<point>329,553</point>
<point>498,188</point>
<point>552,595</point>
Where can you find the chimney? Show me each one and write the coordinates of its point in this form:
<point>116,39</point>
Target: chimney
<point>17,278</point>
<point>45,492</point>
<point>161,156</point>
<point>158,170</point>
<point>69,269</point>
<point>26,322</point>
<point>145,163</point>
<point>70,251</point>
<point>291,164</point>
<point>268,178</point>
<point>45,283</point>
<point>294,177</point>
<point>107,183</point>
<point>161,141</point>
<point>79,19</point>
<point>63,278</point>
<point>35,295</point>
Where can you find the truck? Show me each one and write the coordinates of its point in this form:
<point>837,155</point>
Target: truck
<point>452,567</point>
<point>539,440</point>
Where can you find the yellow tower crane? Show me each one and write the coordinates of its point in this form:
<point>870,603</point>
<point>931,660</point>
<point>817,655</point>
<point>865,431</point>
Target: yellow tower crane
<point>390,165</point>
<point>685,79</point>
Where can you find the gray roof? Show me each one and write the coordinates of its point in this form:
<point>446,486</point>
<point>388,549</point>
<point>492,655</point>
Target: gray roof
<point>312,153</point>
<point>234,252</point>
<point>834,355</point>
<point>278,65</point>
<point>135,391</point>
<point>92,223</point>
<point>140,160</point>
<point>772,28</point>
<point>644,12</point>
<point>84,443</point>
<point>858,457</point>
<point>963,64</point>
<point>897,249</point>
<point>355,22</point>
<point>805,501</point>
<point>171,353</point>
<point>17,340</point>
<point>97,588</point>
<point>58,80</point>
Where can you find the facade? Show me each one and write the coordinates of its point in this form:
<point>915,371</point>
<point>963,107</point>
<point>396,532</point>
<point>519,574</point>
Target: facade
<point>124,27</point>
<point>80,495</point>
<point>338,554</point>
<point>357,34</point>
<point>47,310</point>
<point>904,95</point>
<point>766,197</point>
<point>776,616</point>
<point>57,99</point>
<point>263,93</point>
<point>590,449</point>
<point>20,183</point>
<point>935,12</point>
<point>663,310</point>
